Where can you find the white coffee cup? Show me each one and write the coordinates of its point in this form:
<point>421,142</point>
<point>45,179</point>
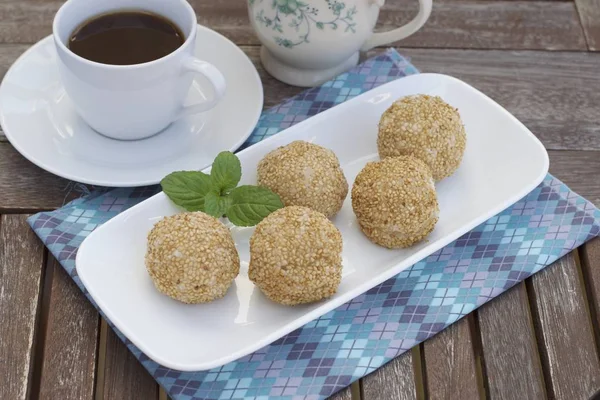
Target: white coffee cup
<point>130,102</point>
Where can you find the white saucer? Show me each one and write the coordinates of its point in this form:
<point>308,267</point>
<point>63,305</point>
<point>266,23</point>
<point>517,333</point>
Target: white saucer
<point>39,120</point>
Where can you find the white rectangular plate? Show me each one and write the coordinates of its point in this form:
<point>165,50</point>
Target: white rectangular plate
<point>502,163</point>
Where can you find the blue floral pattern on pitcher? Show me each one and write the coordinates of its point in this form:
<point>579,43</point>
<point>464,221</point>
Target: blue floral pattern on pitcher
<point>303,18</point>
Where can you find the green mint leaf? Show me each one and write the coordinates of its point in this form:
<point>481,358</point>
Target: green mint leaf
<point>226,171</point>
<point>187,189</point>
<point>250,204</point>
<point>216,205</point>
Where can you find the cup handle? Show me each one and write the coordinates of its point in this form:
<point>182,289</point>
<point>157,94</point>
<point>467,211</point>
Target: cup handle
<point>213,76</point>
<point>381,38</point>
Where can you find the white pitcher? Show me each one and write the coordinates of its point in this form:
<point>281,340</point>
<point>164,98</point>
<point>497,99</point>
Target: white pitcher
<point>306,42</point>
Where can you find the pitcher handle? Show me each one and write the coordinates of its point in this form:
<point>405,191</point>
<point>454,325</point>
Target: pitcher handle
<point>381,38</point>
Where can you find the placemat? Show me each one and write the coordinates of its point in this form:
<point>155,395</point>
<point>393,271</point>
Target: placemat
<point>353,340</point>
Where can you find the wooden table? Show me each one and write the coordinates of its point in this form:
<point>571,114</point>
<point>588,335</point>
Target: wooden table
<point>540,339</point>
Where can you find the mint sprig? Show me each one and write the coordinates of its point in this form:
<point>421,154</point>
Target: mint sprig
<point>217,194</point>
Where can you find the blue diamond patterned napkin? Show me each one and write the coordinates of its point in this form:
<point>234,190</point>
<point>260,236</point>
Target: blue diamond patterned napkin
<point>353,340</point>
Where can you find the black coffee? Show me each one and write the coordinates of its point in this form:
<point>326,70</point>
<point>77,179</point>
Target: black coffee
<point>125,38</point>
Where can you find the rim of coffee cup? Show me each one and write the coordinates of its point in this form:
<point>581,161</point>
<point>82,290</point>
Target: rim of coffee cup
<point>62,10</point>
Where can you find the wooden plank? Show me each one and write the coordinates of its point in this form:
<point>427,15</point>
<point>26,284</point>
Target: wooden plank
<point>579,170</point>
<point>26,21</point>
<point>591,274</point>
<point>589,13</point>
<point>564,333</point>
<point>490,25</point>
<point>124,376</point>
<point>454,24</point>
<point>512,362</point>
<point>25,187</point>
<point>450,364</point>
<point>9,53</point>
<point>344,394</point>
<point>554,94</point>
<point>395,380</point>
<point>21,266</point>
<point>71,339</point>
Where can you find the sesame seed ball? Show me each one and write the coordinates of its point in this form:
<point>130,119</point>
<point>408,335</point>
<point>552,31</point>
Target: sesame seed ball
<point>305,174</point>
<point>426,127</point>
<point>395,201</point>
<point>295,256</point>
<point>191,257</point>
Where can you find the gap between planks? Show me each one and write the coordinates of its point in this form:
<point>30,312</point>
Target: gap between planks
<point>101,364</point>
<point>124,376</point>
<point>351,392</point>
<point>441,367</point>
<point>41,326</point>
<point>589,268</point>
<point>162,394</point>
<point>39,332</point>
<point>21,281</point>
<point>445,365</point>
<point>589,17</point>
<point>68,367</point>
<point>418,361</point>
<point>119,374</point>
<point>394,380</point>
<point>508,348</point>
<point>480,370</point>
<point>563,329</point>
<point>539,340</point>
